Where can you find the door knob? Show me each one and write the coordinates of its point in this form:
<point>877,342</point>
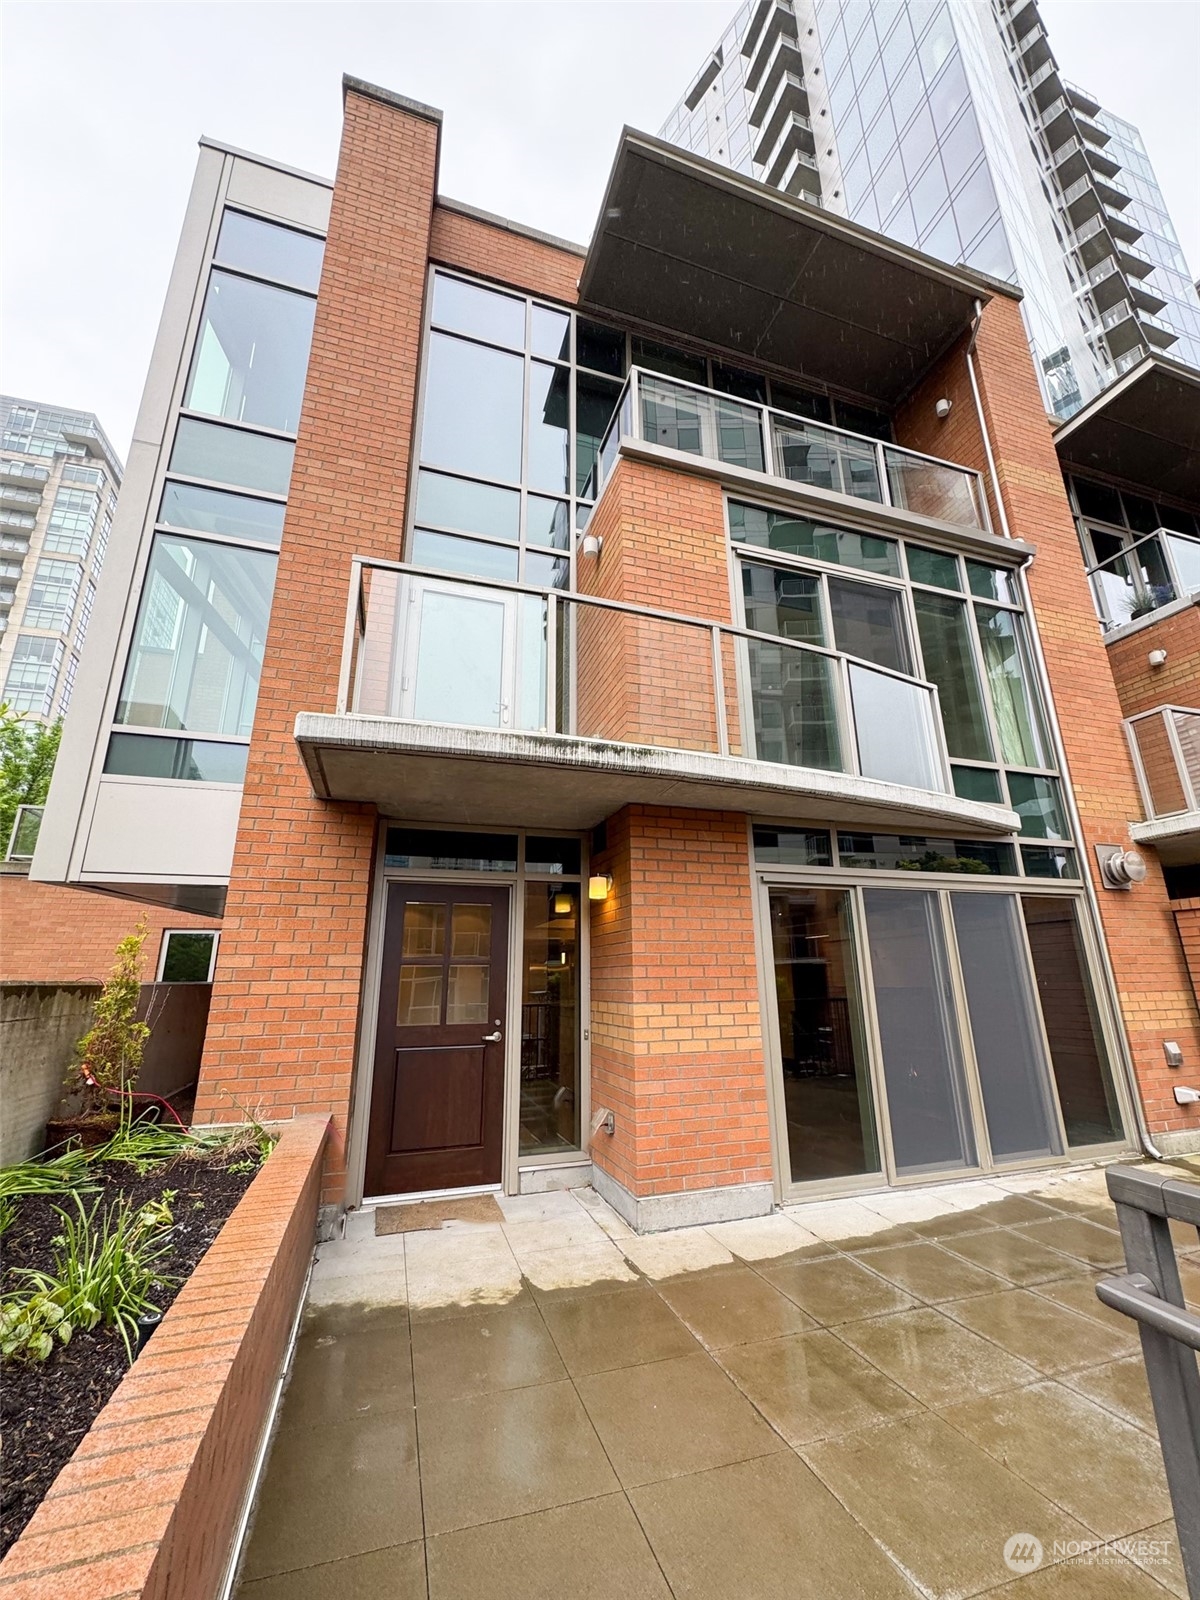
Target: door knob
<point>493,1038</point>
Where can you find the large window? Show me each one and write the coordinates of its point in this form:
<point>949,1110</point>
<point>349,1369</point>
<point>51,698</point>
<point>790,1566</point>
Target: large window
<point>251,353</point>
<point>52,593</point>
<point>198,644</point>
<point>33,674</point>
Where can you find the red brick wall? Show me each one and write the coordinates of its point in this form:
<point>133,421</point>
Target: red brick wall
<point>53,934</point>
<point>148,1505</point>
<point>282,1030</point>
<point>1187,920</point>
<point>493,251</point>
<point>1140,686</point>
<point>677,1036</point>
<point>1155,995</point>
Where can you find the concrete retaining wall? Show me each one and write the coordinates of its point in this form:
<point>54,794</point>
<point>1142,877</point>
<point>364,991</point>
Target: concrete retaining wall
<point>39,1026</point>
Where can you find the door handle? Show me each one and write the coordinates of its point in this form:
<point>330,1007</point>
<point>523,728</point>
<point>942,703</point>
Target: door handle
<point>493,1038</point>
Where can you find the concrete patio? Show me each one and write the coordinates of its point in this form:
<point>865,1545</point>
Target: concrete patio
<point>857,1398</point>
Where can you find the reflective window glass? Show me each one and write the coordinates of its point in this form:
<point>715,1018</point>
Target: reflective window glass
<point>975,203</point>
<point>991,583</point>
<point>419,1003</point>
<point>552,855</point>
<point>135,755</point>
<point>237,516</point>
<point>547,522</point>
<point>187,957</point>
<point>471,932</point>
<point>772,530</point>
<point>868,621</point>
<point>550,333</point>
<point>792,847</point>
<point>864,419</point>
<point>1099,501</point>
<point>269,250</point>
<point>595,402</point>
<point>598,347</point>
<point>1010,681</point>
<point>882,852</point>
<point>782,602</point>
<point>473,507</point>
<point>801,402</point>
<point>1044,861</point>
<point>228,455</point>
<point>742,385</point>
<point>549,427</point>
<point>473,409</point>
<point>933,567</point>
<point>470,308</point>
<point>424,929</point>
<point>948,654</point>
<point>981,784</point>
<point>665,359</point>
<point>198,644</point>
<point>471,557</point>
<point>442,850</point>
<point>549,572</point>
<point>1038,802</point>
<point>251,353</point>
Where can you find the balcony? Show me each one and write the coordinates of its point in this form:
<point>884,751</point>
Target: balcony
<point>1166,754</point>
<point>570,705</point>
<point>1146,575</point>
<point>700,422</point>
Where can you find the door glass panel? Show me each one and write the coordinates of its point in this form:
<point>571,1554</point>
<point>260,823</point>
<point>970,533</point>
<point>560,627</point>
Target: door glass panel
<point>928,1107</point>
<point>868,622</point>
<point>826,1085</point>
<point>471,932</point>
<point>549,1112</point>
<point>467,994</point>
<point>1085,1087</point>
<point>424,929</point>
<point>420,1002</point>
<point>460,660</point>
<point>1012,1063</point>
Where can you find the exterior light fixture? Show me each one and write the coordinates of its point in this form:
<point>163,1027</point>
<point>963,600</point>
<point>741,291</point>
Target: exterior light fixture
<point>1157,658</point>
<point>943,408</point>
<point>562,903</point>
<point>590,545</point>
<point>599,885</point>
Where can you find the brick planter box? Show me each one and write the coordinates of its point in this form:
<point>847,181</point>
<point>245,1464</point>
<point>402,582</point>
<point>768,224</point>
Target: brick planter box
<point>150,1503</point>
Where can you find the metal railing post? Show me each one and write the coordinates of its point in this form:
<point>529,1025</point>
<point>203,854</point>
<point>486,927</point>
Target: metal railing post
<point>719,692</point>
<point>1150,1292</point>
<point>550,687</point>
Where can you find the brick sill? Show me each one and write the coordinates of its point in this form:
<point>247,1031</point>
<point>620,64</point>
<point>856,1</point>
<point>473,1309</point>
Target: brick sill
<point>149,1505</point>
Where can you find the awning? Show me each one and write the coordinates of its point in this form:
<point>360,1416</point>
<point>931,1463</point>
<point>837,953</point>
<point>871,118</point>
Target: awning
<point>686,245</point>
<point>1145,430</point>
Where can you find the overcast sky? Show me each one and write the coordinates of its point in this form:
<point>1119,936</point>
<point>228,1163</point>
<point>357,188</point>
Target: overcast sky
<point>103,104</point>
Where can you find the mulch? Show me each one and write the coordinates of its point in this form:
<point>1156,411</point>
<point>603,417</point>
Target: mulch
<point>47,1407</point>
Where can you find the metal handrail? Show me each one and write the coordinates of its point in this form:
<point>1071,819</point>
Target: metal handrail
<point>628,412</point>
<point>1134,544</point>
<point>841,662</point>
<point>1149,1292</point>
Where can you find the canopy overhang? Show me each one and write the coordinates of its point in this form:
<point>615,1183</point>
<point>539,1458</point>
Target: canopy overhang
<point>1144,430</point>
<point>687,246</point>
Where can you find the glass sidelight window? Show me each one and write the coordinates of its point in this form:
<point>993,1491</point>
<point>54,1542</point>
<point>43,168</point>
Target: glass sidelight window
<point>549,1104</point>
<point>829,1117</point>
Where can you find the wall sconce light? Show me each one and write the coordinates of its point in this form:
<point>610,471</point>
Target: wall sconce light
<point>590,545</point>
<point>1157,658</point>
<point>599,885</point>
<point>563,904</point>
<point>943,408</point>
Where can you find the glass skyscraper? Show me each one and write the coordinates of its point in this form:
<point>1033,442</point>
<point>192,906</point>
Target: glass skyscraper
<point>947,125</point>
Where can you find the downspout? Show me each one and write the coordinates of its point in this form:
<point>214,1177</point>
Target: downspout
<point>1123,1051</point>
<point>983,427</point>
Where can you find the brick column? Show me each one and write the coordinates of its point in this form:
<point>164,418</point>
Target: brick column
<point>283,1028</point>
<point>1154,993</point>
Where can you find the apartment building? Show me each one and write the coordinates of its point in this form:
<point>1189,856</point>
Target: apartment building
<point>638,708</point>
<point>948,125</point>
<point>59,478</point>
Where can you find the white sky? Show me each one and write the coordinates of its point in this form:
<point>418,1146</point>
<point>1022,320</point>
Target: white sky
<point>103,104</point>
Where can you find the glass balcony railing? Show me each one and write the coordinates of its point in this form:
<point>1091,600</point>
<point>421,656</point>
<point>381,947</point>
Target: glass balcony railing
<point>701,422</point>
<point>1146,575</point>
<point>475,653</point>
<point>1166,751</point>
<point>25,829</point>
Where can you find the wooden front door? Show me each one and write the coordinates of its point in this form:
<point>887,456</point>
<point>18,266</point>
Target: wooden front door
<point>437,1098</point>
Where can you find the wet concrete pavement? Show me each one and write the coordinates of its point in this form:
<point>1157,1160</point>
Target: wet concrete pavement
<point>856,1398</point>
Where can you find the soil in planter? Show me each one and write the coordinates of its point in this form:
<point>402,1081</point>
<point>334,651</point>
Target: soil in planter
<point>47,1407</point>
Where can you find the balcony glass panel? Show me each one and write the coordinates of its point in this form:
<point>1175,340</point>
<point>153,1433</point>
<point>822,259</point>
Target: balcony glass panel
<point>931,489</point>
<point>1168,747</point>
<point>798,536</point>
<point>795,717</point>
<point>1185,553</point>
<point>701,423</point>
<point>893,722</point>
<point>828,460</point>
<point>946,649</point>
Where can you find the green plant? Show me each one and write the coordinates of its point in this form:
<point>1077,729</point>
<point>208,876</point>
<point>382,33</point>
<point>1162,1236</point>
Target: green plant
<point>110,1052</point>
<point>104,1275</point>
<point>57,1175</point>
<point>27,754</point>
<point>8,1213</point>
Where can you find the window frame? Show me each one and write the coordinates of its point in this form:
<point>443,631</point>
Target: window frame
<point>164,946</point>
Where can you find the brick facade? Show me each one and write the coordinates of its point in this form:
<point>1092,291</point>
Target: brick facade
<point>1155,995</point>
<point>1141,687</point>
<point>53,934</point>
<point>1187,920</point>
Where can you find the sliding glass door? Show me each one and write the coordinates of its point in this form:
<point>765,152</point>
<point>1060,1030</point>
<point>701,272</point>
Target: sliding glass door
<point>929,1032</point>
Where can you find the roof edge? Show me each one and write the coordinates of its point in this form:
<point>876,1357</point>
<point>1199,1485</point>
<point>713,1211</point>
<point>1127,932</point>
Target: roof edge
<point>494,220</point>
<point>1128,380</point>
<point>389,97</point>
<point>219,145</point>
